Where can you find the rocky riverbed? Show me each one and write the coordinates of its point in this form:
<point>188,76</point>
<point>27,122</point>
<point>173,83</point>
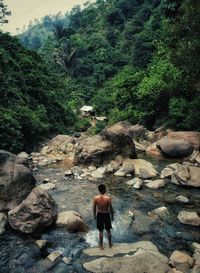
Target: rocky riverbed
<point>156,202</point>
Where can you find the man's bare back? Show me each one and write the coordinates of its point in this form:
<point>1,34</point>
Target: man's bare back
<point>103,203</point>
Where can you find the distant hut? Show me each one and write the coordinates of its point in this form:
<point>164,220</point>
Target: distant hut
<point>87,111</point>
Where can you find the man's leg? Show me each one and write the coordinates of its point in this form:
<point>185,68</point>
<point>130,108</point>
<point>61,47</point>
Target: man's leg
<point>109,237</point>
<point>101,239</point>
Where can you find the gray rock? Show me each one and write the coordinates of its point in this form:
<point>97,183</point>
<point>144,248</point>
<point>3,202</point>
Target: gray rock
<point>41,243</point>
<point>119,135</point>
<point>53,256</point>
<point>16,180</point>
<point>156,184</point>
<point>181,261</point>
<point>72,221</point>
<point>37,211</point>
<point>182,199</point>
<point>189,218</point>
<point>68,173</point>
<point>119,172</point>
<point>146,258</point>
<point>142,224</point>
<point>99,173</point>
<point>47,186</point>
<point>175,148</point>
<point>186,176</point>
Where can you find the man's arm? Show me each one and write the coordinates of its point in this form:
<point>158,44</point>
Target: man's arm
<point>94,208</point>
<point>111,210</point>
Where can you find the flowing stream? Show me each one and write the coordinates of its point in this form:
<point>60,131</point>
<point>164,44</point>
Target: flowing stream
<point>19,253</point>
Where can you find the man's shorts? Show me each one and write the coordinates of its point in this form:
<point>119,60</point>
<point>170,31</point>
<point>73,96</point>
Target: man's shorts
<point>103,221</point>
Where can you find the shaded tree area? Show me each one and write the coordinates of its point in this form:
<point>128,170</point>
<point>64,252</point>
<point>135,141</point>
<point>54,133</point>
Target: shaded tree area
<point>33,99</point>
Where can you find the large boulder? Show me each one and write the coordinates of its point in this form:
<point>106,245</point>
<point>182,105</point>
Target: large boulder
<point>119,135</point>
<point>93,150</point>
<point>143,168</point>
<point>58,143</point>
<point>72,221</point>
<point>175,148</point>
<point>186,176</point>
<point>191,137</point>
<point>144,259</point>
<point>37,211</point>
<point>16,180</point>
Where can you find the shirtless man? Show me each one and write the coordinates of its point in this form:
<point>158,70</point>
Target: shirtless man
<point>102,209</point>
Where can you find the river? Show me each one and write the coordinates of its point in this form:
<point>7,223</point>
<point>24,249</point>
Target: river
<point>19,254</point>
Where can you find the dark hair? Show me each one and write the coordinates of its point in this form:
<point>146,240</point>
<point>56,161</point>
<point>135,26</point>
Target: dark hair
<point>102,188</point>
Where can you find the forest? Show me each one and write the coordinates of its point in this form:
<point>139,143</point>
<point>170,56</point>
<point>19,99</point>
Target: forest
<point>135,60</point>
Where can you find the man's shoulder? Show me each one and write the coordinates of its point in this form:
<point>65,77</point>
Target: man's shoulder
<point>96,197</point>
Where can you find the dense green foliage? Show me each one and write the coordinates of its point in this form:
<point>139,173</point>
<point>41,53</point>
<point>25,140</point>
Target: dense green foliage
<point>3,13</point>
<point>131,59</point>
<point>33,99</point>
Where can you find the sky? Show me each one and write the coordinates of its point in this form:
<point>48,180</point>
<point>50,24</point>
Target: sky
<point>25,10</point>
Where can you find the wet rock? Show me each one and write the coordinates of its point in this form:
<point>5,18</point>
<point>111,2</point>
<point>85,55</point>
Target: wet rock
<point>162,212</point>
<point>186,176</point>
<point>189,218</point>
<point>120,173</point>
<point>170,169</point>
<point>175,148</point>
<point>3,221</point>
<point>68,173</point>
<point>72,221</point>
<point>143,168</point>
<point>181,261</point>
<point>66,260</point>
<point>93,150</point>
<point>182,199</point>
<point>76,170</point>
<point>196,257</point>
<point>37,211</point>
<point>191,137</point>
<point>53,256</point>
<point>128,167</point>
<point>138,184</point>
<point>138,131</point>
<point>156,184</point>
<point>113,166</point>
<point>23,155</point>
<point>121,139</point>
<point>142,224</point>
<point>99,173</point>
<point>123,248</point>
<point>41,243</point>
<point>143,260</point>
<point>196,246</point>
<point>47,186</point>
<point>135,182</point>
<point>139,147</point>
<point>195,157</point>
<point>16,180</point>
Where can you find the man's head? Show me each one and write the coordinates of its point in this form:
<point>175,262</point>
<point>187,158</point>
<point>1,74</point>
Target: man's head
<point>102,188</point>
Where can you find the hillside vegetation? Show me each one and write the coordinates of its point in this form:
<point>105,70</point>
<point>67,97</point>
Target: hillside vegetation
<point>135,60</point>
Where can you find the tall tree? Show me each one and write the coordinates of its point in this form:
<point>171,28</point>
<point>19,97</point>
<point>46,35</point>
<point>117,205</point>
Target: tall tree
<point>3,13</point>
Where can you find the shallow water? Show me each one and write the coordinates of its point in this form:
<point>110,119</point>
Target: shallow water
<point>18,253</point>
